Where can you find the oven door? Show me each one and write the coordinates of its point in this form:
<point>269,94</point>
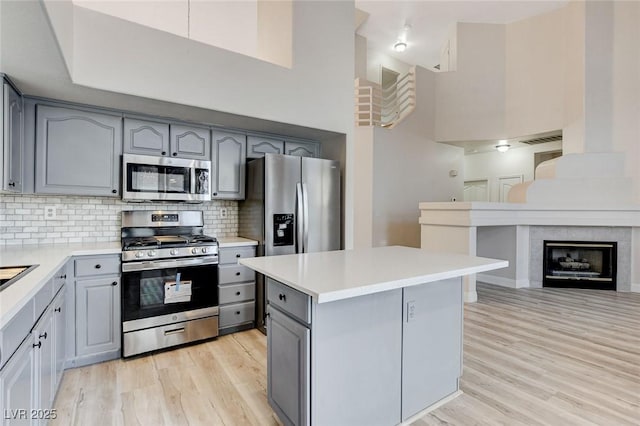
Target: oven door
<point>165,291</point>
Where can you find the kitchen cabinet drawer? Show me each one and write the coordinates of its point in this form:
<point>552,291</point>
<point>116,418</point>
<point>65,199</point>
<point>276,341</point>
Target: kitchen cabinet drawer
<point>238,313</point>
<point>99,265</point>
<point>14,332</point>
<point>235,293</point>
<point>235,274</point>
<point>289,300</point>
<point>232,254</point>
<point>43,298</point>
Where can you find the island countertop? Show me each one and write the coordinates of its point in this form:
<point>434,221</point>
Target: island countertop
<point>336,275</point>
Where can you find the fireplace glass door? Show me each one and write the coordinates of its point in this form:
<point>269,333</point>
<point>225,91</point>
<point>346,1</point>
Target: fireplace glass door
<point>580,264</point>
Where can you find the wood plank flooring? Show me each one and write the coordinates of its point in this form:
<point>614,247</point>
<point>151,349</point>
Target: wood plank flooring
<point>531,357</point>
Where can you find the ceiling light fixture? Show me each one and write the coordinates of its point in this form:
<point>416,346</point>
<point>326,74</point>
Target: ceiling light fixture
<point>400,46</point>
<point>503,146</point>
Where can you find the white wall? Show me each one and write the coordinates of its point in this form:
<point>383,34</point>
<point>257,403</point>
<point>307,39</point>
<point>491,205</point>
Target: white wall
<point>493,165</point>
<point>471,100</point>
<point>408,168</point>
<point>361,57</point>
<point>376,60</point>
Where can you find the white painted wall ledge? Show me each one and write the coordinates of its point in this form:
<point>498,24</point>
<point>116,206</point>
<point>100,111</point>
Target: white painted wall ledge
<point>504,214</point>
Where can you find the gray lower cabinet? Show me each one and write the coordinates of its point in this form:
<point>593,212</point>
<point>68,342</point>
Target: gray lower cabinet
<point>12,140</point>
<point>17,385</point>
<point>288,368</point>
<point>31,375</point>
<point>95,322</point>
<point>228,159</point>
<point>145,137</point>
<point>187,141</point>
<point>77,152</point>
<point>258,146</point>
<point>377,359</point>
<point>236,290</point>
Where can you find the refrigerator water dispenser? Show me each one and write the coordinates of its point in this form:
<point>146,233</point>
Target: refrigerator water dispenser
<point>283,230</point>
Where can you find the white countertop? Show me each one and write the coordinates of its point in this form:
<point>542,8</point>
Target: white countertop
<point>336,275</point>
<point>49,259</point>
<point>235,242</point>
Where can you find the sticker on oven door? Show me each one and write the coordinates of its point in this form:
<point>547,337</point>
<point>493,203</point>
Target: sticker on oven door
<point>177,291</point>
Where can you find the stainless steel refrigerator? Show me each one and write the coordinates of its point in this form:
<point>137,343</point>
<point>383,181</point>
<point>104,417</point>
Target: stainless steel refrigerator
<point>292,205</point>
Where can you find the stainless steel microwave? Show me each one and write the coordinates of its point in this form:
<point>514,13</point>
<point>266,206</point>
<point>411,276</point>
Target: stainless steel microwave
<point>148,178</point>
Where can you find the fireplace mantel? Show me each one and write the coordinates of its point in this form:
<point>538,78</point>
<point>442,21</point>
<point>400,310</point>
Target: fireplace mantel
<point>510,231</point>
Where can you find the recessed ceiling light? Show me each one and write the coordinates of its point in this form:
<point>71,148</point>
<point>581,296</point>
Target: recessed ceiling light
<point>400,46</point>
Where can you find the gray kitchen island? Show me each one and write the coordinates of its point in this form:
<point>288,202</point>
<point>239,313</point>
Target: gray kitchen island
<point>364,337</point>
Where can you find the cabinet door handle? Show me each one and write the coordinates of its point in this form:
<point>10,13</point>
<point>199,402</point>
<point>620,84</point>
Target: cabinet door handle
<point>63,277</point>
<point>43,336</point>
<point>237,312</point>
<point>12,184</point>
<point>215,194</point>
<point>238,254</point>
<point>114,283</point>
<point>37,345</point>
<point>114,191</point>
<point>237,293</point>
<point>98,266</point>
<point>164,152</point>
<point>57,310</point>
<point>282,297</point>
<point>175,154</point>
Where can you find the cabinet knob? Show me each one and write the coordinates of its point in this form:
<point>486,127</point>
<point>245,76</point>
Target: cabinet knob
<point>282,297</point>
<point>114,191</point>
<point>175,154</point>
<point>237,293</point>
<point>114,283</point>
<point>57,310</point>
<point>237,274</point>
<point>164,152</point>
<point>37,345</point>
<point>98,266</point>
<point>43,336</point>
<point>215,194</point>
<point>237,254</point>
<point>237,312</point>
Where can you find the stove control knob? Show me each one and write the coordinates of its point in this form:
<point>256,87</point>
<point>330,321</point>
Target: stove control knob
<point>151,253</point>
<point>139,254</point>
<point>194,250</point>
<point>173,252</point>
<point>204,249</point>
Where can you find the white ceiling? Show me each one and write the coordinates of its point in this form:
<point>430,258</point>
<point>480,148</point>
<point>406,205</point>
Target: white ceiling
<point>432,21</point>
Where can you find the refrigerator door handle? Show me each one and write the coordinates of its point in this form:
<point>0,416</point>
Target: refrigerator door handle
<point>305,222</point>
<point>299,218</point>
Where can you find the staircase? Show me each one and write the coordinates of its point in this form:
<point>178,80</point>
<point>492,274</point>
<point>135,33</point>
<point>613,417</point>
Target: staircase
<point>375,106</point>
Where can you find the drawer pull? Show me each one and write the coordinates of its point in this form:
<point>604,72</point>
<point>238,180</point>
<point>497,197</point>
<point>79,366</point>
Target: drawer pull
<point>43,336</point>
<point>175,331</point>
<point>237,293</point>
<point>98,266</point>
<point>37,345</point>
<point>63,277</point>
<point>282,297</point>
<point>57,310</point>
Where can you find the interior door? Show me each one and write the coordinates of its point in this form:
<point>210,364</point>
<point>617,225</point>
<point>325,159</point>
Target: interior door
<point>322,182</point>
<point>476,190</point>
<point>505,184</point>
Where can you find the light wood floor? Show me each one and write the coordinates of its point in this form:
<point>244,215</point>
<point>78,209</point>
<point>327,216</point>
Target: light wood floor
<point>531,357</point>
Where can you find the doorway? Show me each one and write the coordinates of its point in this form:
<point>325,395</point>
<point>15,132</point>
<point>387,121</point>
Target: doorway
<point>476,190</point>
<point>505,183</point>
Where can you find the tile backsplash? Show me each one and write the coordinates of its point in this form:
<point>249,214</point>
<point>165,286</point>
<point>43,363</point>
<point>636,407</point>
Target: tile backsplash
<point>91,219</point>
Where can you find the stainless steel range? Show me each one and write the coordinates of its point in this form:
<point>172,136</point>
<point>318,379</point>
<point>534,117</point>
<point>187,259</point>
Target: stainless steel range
<point>170,280</point>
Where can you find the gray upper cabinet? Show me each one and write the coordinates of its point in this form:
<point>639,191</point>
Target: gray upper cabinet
<point>258,146</point>
<point>12,125</point>
<point>145,137</point>
<point>228,165</point>
<point>190,142</point>
<point>77,152</point>
<point>302,148</point>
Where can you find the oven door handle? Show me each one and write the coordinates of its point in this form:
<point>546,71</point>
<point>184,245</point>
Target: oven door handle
<point>149,265</point>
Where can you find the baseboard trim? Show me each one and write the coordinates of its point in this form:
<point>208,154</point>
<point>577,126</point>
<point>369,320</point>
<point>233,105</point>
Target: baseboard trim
<point>502,281</point>
<point>635,288</point>
<point>431,408</point>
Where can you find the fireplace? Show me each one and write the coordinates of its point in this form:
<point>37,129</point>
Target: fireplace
<point>580,264</point>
